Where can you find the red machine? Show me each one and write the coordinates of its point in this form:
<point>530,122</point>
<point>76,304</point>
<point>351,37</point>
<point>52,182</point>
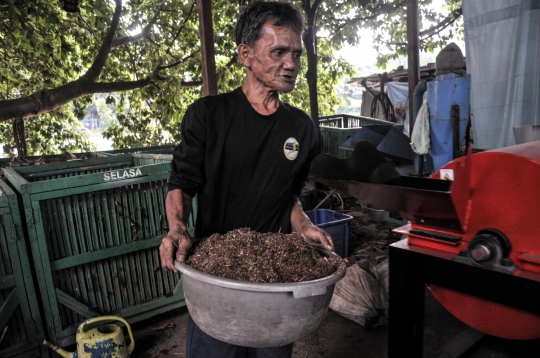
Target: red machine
<point>486,214</point>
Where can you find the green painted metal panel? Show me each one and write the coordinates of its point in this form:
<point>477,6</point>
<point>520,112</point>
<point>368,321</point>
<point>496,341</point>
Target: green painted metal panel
<point>94,227</point>
<point>19,307</point>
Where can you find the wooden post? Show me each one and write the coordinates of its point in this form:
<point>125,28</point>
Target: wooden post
<point>206,31</point>
<point>413,54</point>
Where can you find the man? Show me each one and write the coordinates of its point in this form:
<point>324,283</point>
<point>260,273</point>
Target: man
<point>246,155</point>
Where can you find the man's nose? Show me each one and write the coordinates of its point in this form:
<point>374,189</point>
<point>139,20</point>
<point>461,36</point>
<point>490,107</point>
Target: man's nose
<point>290,62</point>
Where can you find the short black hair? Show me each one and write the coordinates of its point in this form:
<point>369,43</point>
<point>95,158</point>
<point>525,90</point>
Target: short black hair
<point>255,15</point>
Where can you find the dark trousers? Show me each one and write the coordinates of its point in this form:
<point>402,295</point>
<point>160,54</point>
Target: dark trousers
<point>201,345</point>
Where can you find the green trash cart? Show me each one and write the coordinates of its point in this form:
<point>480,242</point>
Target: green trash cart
<point>336,129</point>
<point>21,328</point>
<point>54,158</point>
<point>94,227</point>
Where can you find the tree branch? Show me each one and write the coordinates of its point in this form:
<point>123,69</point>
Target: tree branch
<point>47,101</point>
<point>99,62</point>
<point>130,39</point>
<point>316,4</point>
<point>380,10</point>
<point>447,21</point>
<point>178,62</point>
<point>434,30</point>
<point>186,18</point>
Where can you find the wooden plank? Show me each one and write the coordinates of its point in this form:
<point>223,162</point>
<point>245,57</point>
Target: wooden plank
<point>99,187</point>
<point>52,168</point>
<point>76,184</point>
<point>179,289</point>
<point>7,281</point>
<point>141,150</point>
<point>28,316</point>
<point>77,244</point>
<point>413,55</point>
<point>149,309</point>
<point>8,307</point>
<point>5,264</point>
<point>204,8</point>
<point>69,172</point>
<point>40,252</point>
<point>18,325</point>
<point>83,232</point>
<point>120,240</point>
<point>117,293</point>
<point>50,223</point>
<point>100,244</point>
<point>71,284</point>
<point>18,182</point>
<point>138,283</point>
<point>147,213</point>
<point>163,191</point>
<point>125,238</point>
<point>108,242</point>
<point>142,254</point>
<point>153,209</point>
<point>27,320</point>
<point>105,253</point>
<point>156,158</point>
<point>7,195</point>
<point>93,244</point>
<point>70,183</point>
<point>76,306</point>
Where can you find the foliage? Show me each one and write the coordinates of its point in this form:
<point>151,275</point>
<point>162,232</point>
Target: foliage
<point>43,47</point>
<point>390,31</point>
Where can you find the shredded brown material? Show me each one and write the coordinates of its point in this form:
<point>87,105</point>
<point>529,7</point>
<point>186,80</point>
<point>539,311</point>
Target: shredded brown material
<point>246,255</point>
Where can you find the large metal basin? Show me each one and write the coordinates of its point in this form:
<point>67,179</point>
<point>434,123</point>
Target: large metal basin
<point>256,314</point>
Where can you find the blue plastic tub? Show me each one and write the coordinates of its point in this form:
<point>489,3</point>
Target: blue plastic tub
<point>336,224</point>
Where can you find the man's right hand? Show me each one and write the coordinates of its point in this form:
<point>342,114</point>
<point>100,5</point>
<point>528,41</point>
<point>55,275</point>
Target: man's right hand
<point>171,243</point>
<point>178,207</point>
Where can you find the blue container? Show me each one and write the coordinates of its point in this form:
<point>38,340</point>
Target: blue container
<point>336,224</point>
<point>444,92</point>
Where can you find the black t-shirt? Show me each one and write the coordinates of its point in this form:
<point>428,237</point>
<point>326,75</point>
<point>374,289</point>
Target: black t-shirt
<point>244,167</point>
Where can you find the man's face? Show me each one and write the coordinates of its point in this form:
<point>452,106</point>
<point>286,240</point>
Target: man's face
<point>274,59</point>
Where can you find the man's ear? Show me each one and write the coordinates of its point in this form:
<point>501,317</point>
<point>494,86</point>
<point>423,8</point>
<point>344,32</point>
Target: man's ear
<point>244,54</point>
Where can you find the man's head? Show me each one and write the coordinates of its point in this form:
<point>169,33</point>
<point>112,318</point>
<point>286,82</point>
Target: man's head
<point>270,45</point>
<point>251,20</point>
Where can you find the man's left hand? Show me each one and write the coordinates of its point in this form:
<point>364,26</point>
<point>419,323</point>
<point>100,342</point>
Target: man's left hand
<point>317,237</point>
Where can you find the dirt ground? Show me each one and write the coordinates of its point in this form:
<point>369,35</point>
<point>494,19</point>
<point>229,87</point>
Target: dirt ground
<point>337,337</point>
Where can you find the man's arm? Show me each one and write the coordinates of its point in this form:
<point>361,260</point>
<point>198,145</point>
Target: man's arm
<point>312,234</point>
<point>178,208</point>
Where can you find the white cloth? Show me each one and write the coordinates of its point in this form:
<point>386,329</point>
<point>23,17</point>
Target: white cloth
<point>420,133</point>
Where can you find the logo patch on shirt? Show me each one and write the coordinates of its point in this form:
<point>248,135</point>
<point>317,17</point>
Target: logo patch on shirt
<point>291,148</point>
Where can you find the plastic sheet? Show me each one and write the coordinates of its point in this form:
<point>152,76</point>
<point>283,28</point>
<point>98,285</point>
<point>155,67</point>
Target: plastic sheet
<point>503,58</point>
<point>398,92</point>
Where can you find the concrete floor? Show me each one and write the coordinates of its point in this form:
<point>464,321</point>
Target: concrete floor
<point>337,337</point>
